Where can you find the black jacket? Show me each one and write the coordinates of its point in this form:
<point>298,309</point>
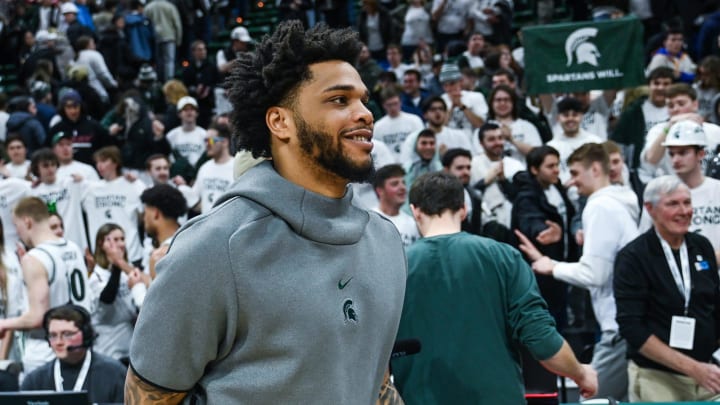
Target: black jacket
<point>647,297</point>
<point>87,137</point>
<point>530,211</point>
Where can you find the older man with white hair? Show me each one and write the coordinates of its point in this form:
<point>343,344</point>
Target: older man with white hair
<point>667,294</point>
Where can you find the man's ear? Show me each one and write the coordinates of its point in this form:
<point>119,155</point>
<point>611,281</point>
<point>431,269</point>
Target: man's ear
<point>463,212</point>
<point>416,212</point>
<point>280,122</point>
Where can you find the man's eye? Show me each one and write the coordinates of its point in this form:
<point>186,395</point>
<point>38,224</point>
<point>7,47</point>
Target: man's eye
<point>339,100</point>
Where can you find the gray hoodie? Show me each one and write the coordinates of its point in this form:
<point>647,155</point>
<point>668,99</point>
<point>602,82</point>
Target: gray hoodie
<point>278,295</point>
<point>609,222</point>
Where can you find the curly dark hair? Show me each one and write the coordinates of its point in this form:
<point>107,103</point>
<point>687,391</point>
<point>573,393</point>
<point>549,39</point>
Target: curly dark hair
<point>272,74</point>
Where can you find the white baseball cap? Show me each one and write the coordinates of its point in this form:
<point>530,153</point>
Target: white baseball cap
<point>186,101</point>
<point>685,133</point>
<point>68,7</point>
<point>241,34</point>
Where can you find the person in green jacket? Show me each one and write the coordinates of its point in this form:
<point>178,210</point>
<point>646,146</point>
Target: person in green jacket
<point>642,114</point>
<point>471,302</point>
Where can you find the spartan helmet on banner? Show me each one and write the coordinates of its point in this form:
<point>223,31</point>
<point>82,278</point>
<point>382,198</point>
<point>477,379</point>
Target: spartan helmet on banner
<point>585,52</point>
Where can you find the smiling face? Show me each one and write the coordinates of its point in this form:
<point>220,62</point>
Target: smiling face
<point>460,168</point>
<point>502,104</point>
<point>616,168</point>
<point>681,104</point>
<point>570,122</point>
<point>393,191</point>
<point>672,214</point>
<point>582,177</point>
<point>333,125</point>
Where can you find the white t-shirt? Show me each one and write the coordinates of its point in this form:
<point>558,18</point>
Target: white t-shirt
<point>476,62</point>
<point>454,15</point>
<point>522,131</point>
<point>400,70</point>
<point>495,206</point>
<point>67,195</point>
<point>473,100</point>
<point>595,120</point>
<point>405,225</point>
<point>393,131</point>
<point>654,115</point>
<point>417,27</point>
<point>363,194</point>
<point>190,145</point>
<point>705,98</point>
<point>12,190</point>
<point>18,171</point>
<point>83,169</point>
<point>706,210</point>
<point>212,181</point>
<point>648,171</point>
<point>566,146</point>
<point>116,201</point>
<point>114,323</point>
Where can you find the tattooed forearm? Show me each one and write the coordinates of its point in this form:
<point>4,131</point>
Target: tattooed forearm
<point>138,391</point>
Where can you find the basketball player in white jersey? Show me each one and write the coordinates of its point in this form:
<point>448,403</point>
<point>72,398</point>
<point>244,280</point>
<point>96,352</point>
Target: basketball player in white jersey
<point>54,273</point>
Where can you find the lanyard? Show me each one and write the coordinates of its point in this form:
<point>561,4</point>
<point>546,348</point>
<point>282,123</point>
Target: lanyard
<point>683,284</point>
<point>81,377</point>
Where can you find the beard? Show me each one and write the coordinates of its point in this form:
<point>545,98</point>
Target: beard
<point>329,156</point>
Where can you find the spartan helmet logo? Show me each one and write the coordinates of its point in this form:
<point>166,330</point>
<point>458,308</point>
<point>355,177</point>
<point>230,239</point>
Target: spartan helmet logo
<point>585,52</point>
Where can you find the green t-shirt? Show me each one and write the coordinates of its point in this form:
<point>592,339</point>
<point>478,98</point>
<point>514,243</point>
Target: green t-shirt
<point>471,302</point>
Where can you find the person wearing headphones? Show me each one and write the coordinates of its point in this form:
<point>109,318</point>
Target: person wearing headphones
<point>76,367</point>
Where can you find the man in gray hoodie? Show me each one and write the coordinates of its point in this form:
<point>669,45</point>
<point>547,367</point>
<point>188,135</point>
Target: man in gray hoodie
<point>285,292</point>
<point>610,222</point>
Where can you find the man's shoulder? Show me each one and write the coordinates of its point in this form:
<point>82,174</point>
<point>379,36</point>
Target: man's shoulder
<point>108,364</point>
<point>231,216</point>
<point>39,379</point>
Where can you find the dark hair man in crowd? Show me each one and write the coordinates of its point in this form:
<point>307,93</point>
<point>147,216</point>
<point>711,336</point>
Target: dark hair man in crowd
<point>543,212</point>
<point>333,275</point>
<point>480,340</point>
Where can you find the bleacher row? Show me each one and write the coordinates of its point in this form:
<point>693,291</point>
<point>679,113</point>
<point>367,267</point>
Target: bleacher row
<point>264,16</point>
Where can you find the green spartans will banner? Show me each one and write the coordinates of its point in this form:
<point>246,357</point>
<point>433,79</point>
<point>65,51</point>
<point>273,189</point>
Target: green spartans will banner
<point>583,56</point>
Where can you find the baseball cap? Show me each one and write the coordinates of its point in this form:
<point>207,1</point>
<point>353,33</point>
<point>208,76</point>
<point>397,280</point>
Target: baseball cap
<point>569,104</point>
<point>60,135</point>
<point>685,133</point>
<point>449,72</point>
<point>147,73</point>
<point>68,7</point>
<point>186,101</point>
<point>241,34</point>
<point>43,36</point>
<point>39,89</point>
<point>70,95</point>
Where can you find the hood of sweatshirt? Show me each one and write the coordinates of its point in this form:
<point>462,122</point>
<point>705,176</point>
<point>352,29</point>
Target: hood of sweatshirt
<point>17,120</point>
<point>322,219</point>
<point>623,195</point>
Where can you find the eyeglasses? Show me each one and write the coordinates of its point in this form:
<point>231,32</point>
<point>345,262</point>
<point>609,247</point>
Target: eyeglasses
<point>213,140</point>
<point>66,335</point>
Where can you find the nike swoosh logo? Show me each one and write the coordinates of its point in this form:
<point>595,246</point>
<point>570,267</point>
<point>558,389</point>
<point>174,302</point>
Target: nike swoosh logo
<point>342,285</point>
